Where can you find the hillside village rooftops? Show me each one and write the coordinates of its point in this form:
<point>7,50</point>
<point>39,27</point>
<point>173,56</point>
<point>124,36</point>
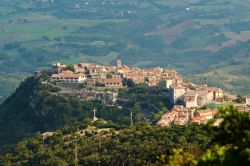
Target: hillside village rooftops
<point>206,113</point>
<point>203,92</point>
<point>67,74</point>
<point>112,80</point>
<point>177,87</point>
<point>199,120</point>
<point>79,66</point>
<point>190,94</point>
<point>214,89</point>
<point>172,113</point>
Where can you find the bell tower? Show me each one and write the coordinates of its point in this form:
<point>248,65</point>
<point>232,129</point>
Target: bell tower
<point>118,63</point>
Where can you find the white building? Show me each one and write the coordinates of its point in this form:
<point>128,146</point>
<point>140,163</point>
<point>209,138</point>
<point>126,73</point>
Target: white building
<point>248,100</point>
<point>169,83</point>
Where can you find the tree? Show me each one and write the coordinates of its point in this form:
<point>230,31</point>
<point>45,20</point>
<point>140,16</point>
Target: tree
<point>70,67</point>
<point>180,157</point>
<point>231,139</point>
<point>240,99</point>
<point>138,117</point>
<point>159,114</point>
<point>226,98</point>
<point>83,85</point>
<point>109,75</point>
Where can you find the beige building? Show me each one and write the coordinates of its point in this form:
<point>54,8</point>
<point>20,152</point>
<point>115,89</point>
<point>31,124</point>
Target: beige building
<point>190,99</point>
<point>176,94</point>
<point>113,82</point>
<point>207,114</point>
<point>201,100</point>
<point>167,119</point>
<point>218,94</point>
<point>248,100</point>
<point>79,68</point>
<point>169,83</point>
<point>204,96</point>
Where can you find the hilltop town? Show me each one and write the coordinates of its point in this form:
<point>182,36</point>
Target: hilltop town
<point>86,81</point>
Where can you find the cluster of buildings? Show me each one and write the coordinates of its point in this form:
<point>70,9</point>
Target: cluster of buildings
<point>187,99</point>
<point>192,95</point>
<point>94,75</point>
<point>114,77</point>
<point>104,81</point>
<point>102,84</point>
<point>180,115</point>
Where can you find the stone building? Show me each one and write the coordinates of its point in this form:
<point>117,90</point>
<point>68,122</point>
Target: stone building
<point>113,82</point>
<point>176,94</point>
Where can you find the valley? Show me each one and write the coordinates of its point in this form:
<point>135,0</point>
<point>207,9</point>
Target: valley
<point>195,37</point>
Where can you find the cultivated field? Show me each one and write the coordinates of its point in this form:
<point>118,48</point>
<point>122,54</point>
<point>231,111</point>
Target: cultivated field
<point>195,37</point>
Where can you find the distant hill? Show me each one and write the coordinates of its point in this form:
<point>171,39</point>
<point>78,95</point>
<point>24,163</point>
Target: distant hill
<point>196,37</point>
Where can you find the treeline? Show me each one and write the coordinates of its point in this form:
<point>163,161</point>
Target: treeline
<point>142,145</point>
<point>226,144</point>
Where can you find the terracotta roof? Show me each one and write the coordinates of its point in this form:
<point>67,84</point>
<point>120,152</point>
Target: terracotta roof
<point>112,80</point>
<point>79,66</point>
<point>214,89</point>
<point>198,120</point>
<point>67,74</point>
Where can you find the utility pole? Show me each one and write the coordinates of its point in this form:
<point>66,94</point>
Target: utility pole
<point>131,118</point>
<point>76,157</point>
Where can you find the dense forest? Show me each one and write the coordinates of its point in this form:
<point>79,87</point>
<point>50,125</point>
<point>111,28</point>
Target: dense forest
<point>227,144</point>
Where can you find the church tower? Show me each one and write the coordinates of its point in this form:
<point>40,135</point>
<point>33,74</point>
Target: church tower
<point>118,63</point>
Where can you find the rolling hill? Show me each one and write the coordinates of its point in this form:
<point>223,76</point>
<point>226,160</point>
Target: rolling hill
<point>198,37</point>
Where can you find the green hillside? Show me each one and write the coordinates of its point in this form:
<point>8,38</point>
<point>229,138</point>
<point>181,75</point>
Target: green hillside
<point>34,107</point>
<point>195,37</point>
<point>97,144</point>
